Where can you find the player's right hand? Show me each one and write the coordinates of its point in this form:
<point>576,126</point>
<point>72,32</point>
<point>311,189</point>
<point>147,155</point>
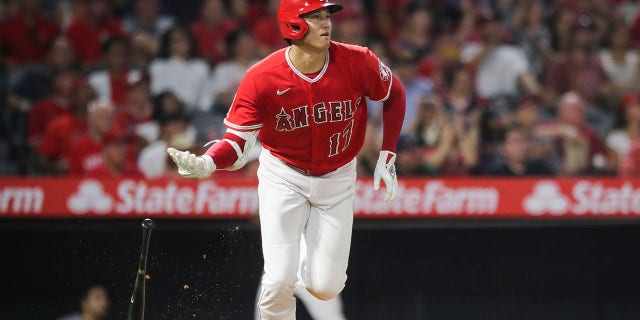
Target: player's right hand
<point>191,166</point>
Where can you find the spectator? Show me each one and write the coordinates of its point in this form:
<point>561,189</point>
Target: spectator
<point>527,116</point>
<point>146,18</point>
<point>47,109</point>
<point>178,69</point>
<point>112,82</point>
<point>53,150</point>
<point>501,70</point>
<point>435,135</point>
<point>631,164</point>
<point>247,12</point>
<point>94,305</point>
<point>154,161</point>
<point>578,146</point>
<point>405,67</point>
<point>619,61</point>
<point>226,75</point>
<point>409,157</point>
<point>134,117</point>
<point>143,49</point>
<point>496,118</point>
<point>350,24</point>
<point>515,160</point>
<point>386,16</point>
<point>416,32</point>
<point>116,161</point>
<point>463,158</point>
<point>267,32</point>
<point>627,10</point>
<point>533,35</point>
<point>27,86</point>
<point>624,133</point>
<point>579,69</point>
<point>459,96</point>
<point>86,150</point>
<point>211,29</point>
<point>562,30</point>
<point>90,30</point>
<point>165,104</point>
<point>25,36</point>
<point>34,83</point>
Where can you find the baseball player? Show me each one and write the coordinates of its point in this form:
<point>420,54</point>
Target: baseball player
<point>306,103</point>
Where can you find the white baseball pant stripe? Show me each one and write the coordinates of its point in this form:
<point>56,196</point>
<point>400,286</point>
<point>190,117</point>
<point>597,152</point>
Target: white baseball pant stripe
<point>295,206</point>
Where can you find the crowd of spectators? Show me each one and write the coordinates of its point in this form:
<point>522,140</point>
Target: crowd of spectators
<point>100,88</point>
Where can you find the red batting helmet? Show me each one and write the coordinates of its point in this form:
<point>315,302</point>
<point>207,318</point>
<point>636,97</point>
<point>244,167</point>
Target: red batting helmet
<point>291,25</point>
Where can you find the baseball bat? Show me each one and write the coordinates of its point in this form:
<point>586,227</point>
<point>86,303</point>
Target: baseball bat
<point>136,307</point>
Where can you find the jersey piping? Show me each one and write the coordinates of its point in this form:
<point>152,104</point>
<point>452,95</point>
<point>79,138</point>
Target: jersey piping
<point>388,92</point>
<point>302,75</point>
<point>242,128</point>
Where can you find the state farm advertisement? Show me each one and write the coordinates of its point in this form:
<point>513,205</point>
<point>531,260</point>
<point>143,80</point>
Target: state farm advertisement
<point>417,198</point>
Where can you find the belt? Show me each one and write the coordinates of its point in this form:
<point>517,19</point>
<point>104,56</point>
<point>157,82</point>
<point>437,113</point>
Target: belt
<point>299,170</point>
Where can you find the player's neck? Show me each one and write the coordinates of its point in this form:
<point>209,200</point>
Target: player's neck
<point>305,60</point>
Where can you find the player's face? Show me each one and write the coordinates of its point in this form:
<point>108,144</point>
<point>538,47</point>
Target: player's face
<point>319,34</point>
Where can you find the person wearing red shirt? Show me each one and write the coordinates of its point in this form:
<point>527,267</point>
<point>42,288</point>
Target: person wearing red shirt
<point>55,145</point>
<point>47,109</point>
<point>307,104</point>
<point>89,31</point>
<point>116,162</point>
<point>138,107</point>
<point>211,29</point>
<point>86,151</point>
<point>26,35</point>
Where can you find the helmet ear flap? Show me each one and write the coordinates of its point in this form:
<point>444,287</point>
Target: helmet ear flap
<point>296,29</point>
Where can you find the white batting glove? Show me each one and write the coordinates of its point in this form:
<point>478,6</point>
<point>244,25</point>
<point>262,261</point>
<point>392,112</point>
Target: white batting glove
<point>386,169</point>
<point>191,166</point>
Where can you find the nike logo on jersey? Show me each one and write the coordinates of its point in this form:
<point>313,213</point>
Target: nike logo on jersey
<point>278,92</point>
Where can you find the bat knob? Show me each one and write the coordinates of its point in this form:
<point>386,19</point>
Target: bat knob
<point>148,224</point>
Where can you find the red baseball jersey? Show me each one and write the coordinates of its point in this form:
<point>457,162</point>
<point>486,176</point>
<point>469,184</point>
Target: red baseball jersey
<point>315,122</point>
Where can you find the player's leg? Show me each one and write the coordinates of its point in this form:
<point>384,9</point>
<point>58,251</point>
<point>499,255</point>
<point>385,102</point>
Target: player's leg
<point>318,309</point>
<point>328,233</point>
<point>284,211</point>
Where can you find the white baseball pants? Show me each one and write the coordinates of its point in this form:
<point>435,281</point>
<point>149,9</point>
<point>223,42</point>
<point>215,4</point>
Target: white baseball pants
<point>306,224</point>
<point>318,309</point>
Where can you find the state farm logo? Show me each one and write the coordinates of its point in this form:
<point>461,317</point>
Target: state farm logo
<point>432,198</point>
<point>586,198</point>
<point>90,198</point>
<point>546,198</point>
<point>139,197</point>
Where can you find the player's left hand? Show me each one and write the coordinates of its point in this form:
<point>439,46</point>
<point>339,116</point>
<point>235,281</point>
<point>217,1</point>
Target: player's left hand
<point>386,169</point>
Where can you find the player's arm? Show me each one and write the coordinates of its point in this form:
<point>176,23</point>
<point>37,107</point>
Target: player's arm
<point>381,84</point>
<point>393,109</point>
<point>228,153</point>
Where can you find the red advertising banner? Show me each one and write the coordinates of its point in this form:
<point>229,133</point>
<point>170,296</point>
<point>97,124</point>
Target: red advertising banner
<point>417,198</point>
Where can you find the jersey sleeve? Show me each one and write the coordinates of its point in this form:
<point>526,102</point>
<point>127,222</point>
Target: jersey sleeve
<point>376,77</point>
<point>245,113</point>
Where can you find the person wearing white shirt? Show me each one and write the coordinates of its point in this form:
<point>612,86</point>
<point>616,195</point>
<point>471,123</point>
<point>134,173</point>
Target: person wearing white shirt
<point>503,70</point>
<point>180,71</point>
